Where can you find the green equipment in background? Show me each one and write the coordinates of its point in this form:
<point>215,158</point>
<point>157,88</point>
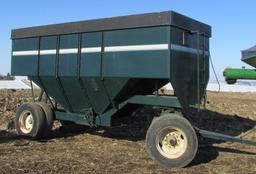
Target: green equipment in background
<point>233,74</point>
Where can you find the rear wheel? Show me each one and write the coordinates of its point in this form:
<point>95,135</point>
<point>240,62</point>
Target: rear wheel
<point>171,141</point>
<point>29,120</point>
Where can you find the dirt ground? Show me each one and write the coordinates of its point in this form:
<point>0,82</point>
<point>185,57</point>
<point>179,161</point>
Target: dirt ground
<point>121,149</point>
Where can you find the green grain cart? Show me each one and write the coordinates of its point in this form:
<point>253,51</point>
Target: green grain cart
<point>90,70</point>
<point>234,74</point>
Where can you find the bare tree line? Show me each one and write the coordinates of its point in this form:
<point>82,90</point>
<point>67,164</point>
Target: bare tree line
<point>8,76</point>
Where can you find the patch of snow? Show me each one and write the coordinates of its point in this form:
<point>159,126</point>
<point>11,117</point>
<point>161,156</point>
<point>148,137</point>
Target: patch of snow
<point>225,87</point>
<point>18,83</point>
<point>230,88</point>
<point>13,84</point>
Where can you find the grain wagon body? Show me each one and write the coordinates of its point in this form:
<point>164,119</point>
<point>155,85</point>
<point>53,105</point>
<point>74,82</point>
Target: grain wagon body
<point>92,69</point>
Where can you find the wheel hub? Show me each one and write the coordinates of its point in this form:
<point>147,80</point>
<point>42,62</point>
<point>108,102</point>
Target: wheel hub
<point>26,122</point>
<point>171,142</point>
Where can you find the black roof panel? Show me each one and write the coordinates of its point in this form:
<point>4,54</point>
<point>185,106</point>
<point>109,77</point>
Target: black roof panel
<point>123,22</point>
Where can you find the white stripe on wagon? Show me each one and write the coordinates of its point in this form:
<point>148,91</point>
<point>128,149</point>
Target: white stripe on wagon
<point>136,47</point>
<point>173,47</point>
<point>25,53</point>
<point>69,51</point>
<point>47,52</point>
<point>91,50</point>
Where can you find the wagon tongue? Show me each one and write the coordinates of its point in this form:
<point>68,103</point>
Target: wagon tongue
<point>219,136</point>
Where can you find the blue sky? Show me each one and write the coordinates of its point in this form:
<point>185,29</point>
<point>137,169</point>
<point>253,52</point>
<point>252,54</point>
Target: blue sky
<point>233,22</point>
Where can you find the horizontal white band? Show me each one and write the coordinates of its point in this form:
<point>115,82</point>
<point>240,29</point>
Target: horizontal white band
<point>47,52</point>
<point>174,47</point>
<point>112,49</point>
<point>136,48</point>
<point>25,53</point>
<point>94,49</point>
<point>91,50</point>
<point>187,49</point>
<point>69,51</point>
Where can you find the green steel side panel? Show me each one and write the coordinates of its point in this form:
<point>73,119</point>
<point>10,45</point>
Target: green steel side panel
<point>69,41</point>
<point>91,39</point>
<point>68,62</point>
<point>188,80</point>
<point>25,65</point>
<point>75,94</point>
<point>90,72</point>
<point>47,62</point>
<point>90,65</point>
<point>115,86</point>
<point>52,88</point>
<point>29,44</point>
<point>186,38</point>
<point>183,81</point>
<point>68,65</point>
<point>91,62</point>
<point>184,77</point>
<point>138,64</point>
<point>68,71</point>
<point>139,36</point>
<point>120,89</point>
<point>47,70</point>
<point>96,93</point>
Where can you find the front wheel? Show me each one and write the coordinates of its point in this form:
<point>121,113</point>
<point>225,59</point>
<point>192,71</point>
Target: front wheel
<point>171,141</point>
<point>29,120</point>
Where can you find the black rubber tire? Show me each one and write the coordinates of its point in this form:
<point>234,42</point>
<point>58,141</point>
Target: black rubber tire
<point>38,120</point>
<point>181,123</point>
<point>49,119</point>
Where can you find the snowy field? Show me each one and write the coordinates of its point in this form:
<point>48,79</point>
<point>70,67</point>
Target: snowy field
<point>24,84</point>
<point>225,87</point>
<point>18,83</point>
<point>230,88</point>
<point>13,84</point>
